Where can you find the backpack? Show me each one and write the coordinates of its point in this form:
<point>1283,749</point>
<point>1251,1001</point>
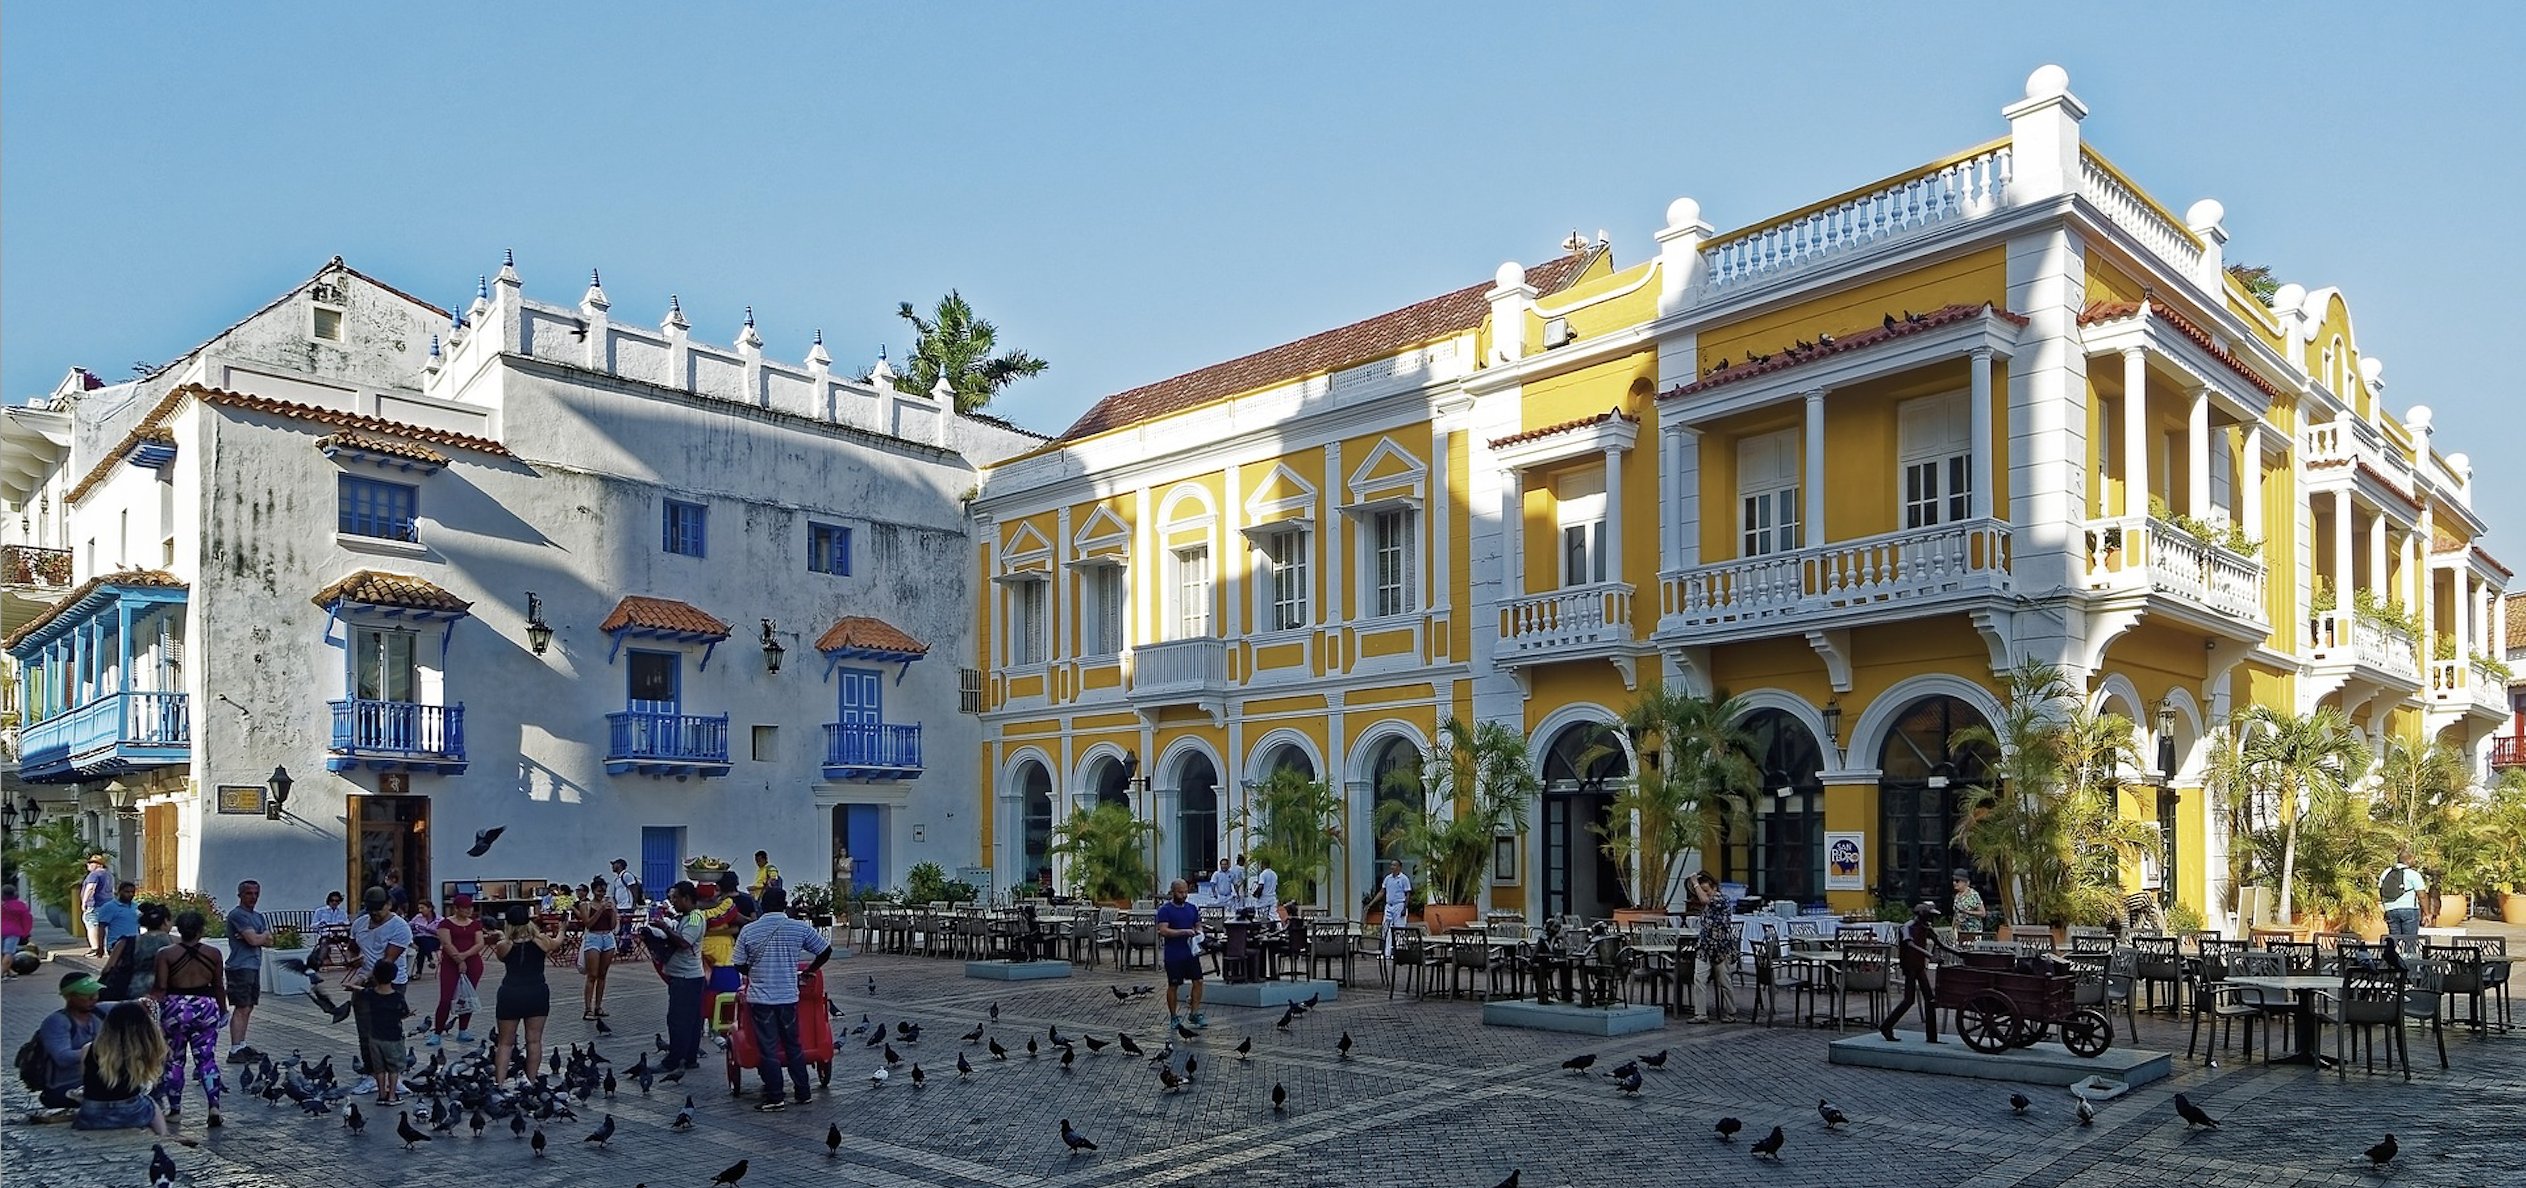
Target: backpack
<point>35,1068</point>
<point>2390,887</point>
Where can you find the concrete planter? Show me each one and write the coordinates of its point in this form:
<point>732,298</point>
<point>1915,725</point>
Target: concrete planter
<point>1439,917</point>
<point>2512,908</point>
<point>2452,911</point>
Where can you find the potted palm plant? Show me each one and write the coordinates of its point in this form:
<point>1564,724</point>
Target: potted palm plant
<point>1294,824</point>
<point>52,858</point>
<point>1696,790</point>
<point>2048,828</point>
<point>2295,760</point>
<point>1475,786</point>
<point>1108,854</point>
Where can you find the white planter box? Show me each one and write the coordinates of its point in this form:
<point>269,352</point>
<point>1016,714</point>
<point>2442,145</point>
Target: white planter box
<point>280,981</point>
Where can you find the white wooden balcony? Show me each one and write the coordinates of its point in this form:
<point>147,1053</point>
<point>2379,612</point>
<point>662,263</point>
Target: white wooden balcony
<point>2148,556</point>
<point>1896,575</point>
<point>1567,624</point>
<point>1179,670</point>
<point>2341,640</point>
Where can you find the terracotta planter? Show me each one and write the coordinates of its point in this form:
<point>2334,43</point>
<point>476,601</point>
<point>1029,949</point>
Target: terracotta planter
<point>2452,911</point>
<point>1439,917</point>
<point>2512,908</point>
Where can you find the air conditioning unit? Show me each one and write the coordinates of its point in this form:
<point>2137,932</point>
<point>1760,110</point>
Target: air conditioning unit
<point>1557,332</point>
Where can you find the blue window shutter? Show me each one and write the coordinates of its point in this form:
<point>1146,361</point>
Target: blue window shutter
<point>660,865</point>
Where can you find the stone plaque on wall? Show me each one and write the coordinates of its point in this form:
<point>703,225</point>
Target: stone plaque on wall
<point>241,799</point>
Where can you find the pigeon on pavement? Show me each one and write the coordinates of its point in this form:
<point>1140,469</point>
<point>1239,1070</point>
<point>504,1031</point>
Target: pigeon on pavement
<point>1771,1144</point>
<point>1074,1140</point>
<point>404,1130</point>
<point>604,1132</point>
<point>1831,1113</point>
<point>161,1166</point>
<point>1727,1129</point>
<point>2192,1114</point>
<point>1344,1047</point>
<point>2019,1103</point>
<point>2382,1153</point>
<point>833,1139</point>
<point>1580,1063</point>
<point>735,1172</point>
<point>1280,1097</point>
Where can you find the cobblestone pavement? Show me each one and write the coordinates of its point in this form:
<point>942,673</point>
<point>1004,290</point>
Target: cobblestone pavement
<point>1428,1097</point>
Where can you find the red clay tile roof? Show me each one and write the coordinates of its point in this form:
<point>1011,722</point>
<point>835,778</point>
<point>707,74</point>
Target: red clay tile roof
<point>153,427</point>
<point>2107,311</point>
<point>1371,338</point>
<point>1769,364</point>
<point>1564,427</point>
<point>128,577</point>
<point>372,444</point>
<point>2493,562</point>
<point>371,587</point>
<point>638,612</point>
<point>867,634</point>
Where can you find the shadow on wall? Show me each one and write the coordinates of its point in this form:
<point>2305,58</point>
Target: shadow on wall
<point>537,782</point>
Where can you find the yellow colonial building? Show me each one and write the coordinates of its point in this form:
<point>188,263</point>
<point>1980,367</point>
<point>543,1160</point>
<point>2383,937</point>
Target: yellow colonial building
<point>1851,463</point>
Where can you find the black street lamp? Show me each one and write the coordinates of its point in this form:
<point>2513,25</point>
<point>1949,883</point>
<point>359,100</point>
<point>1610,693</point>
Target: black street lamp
<point>539,634</point>
<point>772,650</point>
<point>280,794</point>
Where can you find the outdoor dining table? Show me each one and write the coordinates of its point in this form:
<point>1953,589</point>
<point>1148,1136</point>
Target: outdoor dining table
<point>2304,988</point>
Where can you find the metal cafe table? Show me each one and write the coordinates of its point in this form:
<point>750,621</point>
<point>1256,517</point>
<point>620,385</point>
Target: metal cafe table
<point>2304,988</point>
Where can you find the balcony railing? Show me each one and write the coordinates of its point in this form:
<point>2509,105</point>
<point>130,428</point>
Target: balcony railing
<point>2128,207</point>
<point>1180,667</point>
<point>2123,552</point>
<point>1935,196</point>
<point>1970,556</point>
<point>667,743</point>
<point>115,733</point>
<point>27,565</point>
<point>2350,439</point>
<point>2342,638</point>
<point>2464,684</point>
<point>859,751</point>
<point>397,734</point>
<point>2508,750</point>
<point>1543,625</point>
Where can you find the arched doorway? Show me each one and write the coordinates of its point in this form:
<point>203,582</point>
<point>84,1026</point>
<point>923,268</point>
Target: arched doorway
<point>1196,816</point>
<point>1289,757</point>
<point>1923,774</point>
<point>1111,782</point>
<point>1035,812</point>
<point>1393,778</point>
<point>1579,877</point>
<point>1785,859</point>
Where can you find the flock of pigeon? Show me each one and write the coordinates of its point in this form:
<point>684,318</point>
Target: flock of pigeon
<point>1801,347</point>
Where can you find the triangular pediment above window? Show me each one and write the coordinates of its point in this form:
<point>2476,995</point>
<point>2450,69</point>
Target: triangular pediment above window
<point>1282,492</point>
<point>1389,472</point>
<point>1104,532</point>
<point>1025,541</point>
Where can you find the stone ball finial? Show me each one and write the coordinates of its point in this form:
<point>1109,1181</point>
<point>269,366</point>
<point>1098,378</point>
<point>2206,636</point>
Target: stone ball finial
<point>1510,273</point>
<point>2372,369</point>
<point>2418,417</point>
<point>2047,82</point>
<point>1683,212</point>
<point>2204,215</point>
<point>2461,464</point>
<point>2289,296</point>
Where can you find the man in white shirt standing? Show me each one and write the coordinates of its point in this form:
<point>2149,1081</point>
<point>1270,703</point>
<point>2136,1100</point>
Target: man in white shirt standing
<point>1398,890</point>
<point>1267,890</point>
<point>623,887</point>
<point>2399,891</point>
<point>381,936</point>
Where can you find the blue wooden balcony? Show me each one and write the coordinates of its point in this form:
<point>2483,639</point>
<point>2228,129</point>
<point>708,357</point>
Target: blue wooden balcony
<point>396,736</point>
<point>860,752</point>
<point>666,744</point>
<point>116,733</point>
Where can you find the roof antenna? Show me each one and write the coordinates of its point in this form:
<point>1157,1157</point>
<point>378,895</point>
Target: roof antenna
<point>1576,243</point>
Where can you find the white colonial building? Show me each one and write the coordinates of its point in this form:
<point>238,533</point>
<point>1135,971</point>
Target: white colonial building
<point>619,592</point>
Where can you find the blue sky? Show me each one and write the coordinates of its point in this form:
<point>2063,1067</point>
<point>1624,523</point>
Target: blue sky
<point>1135,190</point>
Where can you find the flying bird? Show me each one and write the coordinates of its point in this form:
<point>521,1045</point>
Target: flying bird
<point>339,1010</point>
<point>833,1139</point>
<point>1771,1144</point>
<point>604,1132</point>
<point>2382,1153</point>
<point>1727,1129</point>
<point>2192,1114</point>
<point>1074,1140</point>
<point>1580,1063</point>
<point>1280,1097</point>
<point>483,839</point>
<point>2019,1103</point>
<point>735,1172</point>
<point>1831,1113</point>
<point>404,1130</point>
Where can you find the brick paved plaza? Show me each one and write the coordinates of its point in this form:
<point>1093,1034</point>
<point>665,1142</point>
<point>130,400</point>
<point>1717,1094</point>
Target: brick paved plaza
<point>1429,1097</point>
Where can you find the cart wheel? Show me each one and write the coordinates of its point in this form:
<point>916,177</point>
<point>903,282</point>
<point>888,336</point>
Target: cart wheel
<point>2087,1033</point>
<point>2029,1033</point>
<point>1986,1021</point>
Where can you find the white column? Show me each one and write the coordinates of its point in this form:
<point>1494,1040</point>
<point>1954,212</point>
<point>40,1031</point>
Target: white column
<point>2342,551</point>
<point>1811,484</point>
<point>1978,463</point>
<point>1512,534</point>
<point>2135,432</point>
<point>2250,484</point>
<point>1613,515</point>
<point>2462,628</point>
<point>1686,511</point>
<point>2415,573</point>
<point>2197,456</point>
<point>2377,557</point>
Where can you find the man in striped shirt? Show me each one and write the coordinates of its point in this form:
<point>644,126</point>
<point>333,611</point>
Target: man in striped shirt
<point>767,953</point>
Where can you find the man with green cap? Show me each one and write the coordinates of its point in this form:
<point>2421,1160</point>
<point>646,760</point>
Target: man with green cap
<point>64,1036</point>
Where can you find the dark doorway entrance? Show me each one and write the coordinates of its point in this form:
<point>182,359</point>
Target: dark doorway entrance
<point>1579,877</point>
<point>1924,774</point>
<point>390,838</point>
<point>1787,854</point>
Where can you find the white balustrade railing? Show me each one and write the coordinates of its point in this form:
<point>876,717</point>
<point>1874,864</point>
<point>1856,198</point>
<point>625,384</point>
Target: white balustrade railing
<point>2126,551</point>
<point>1952,558</point>
<point>2350,439</point>
<point>2466,683</point>
<point>1974,186</point>
<point>1179,666</point>
<point>2327,443</point>
<point>2490,689</point>
<point>2126,207</point>
<point>2341,637</point>
<point>1561,619</point>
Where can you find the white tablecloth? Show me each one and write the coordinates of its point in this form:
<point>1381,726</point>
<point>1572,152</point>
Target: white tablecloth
<point>1754,929</point>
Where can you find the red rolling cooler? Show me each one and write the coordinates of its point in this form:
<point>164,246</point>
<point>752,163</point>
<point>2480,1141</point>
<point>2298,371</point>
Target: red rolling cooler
<point>815,1034</point>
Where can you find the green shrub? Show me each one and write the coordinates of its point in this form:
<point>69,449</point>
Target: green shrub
<point>178,902</point>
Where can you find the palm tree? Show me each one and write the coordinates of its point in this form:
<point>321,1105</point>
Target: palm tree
<point>2297,757</point>
<point>1475,786</point>
<point>952,342</point>
<point>1697,791</point>
<point>1293,824</point>
<point>2422,791</point>
<point>2049,829</point>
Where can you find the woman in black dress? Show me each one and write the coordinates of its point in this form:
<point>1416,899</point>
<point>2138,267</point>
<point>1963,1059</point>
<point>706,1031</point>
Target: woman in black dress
<point>521,949</point>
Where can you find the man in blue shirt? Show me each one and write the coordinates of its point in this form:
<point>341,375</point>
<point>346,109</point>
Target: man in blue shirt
<point>118,917</point>
<point>767,954</point>
<point>1179,925</point>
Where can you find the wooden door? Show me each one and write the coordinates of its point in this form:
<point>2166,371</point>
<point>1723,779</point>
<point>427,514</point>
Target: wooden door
<point>157,848</point>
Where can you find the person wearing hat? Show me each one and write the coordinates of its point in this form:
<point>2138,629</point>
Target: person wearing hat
<point>381,935</point>
<point>64,1037</point>
<point>95,888</point>
<point>1914,951</point>
<point>1972,918</point>
<point>623,887</point>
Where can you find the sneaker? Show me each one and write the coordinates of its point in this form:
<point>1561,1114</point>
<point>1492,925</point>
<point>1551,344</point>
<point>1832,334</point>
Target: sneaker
<point>774,1106</point>
<point>216,1121</point>
<point>1174,1021</point>
<point>365,1085</point>
<point>801,1098</point>
<point>1200,1020</point>
<point>41,1117</point>
<point>433,1041</point>
<point>237,1055</point>
<point>464,1037</point>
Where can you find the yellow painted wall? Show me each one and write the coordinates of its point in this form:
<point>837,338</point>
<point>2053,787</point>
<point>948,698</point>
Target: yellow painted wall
<point>1621,312</point>
<point>1969,280</point>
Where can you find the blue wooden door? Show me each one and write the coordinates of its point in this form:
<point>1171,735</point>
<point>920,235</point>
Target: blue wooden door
<point>661,858</point>
<point>863,830</point>
<point>861,713</point>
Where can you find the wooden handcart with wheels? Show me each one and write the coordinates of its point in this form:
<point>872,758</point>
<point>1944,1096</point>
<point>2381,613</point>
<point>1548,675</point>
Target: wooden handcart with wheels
<point>2003,1001</point>
<point>815,1034</point>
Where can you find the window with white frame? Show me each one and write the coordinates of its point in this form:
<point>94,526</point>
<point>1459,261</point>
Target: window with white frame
<point>1028,620</point>
<point>1101,590</point>
<point>1281,566</point>
<point>1579,502</point>
<point>1390,562</point>
<point>1191,591</point>
<point>1767,493</point>
<point>1935,459</point>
